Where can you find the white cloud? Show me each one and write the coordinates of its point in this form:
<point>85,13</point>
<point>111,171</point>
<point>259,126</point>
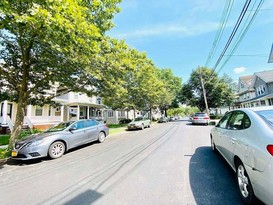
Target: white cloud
<point>239,70</point>
<point>177,29</point>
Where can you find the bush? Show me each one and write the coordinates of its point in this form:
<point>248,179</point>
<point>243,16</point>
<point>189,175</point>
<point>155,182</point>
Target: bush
<point>124,121</point>
<point>27,132</point>
<point>213,117</point>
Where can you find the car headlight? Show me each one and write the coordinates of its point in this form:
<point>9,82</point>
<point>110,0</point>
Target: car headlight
<point>35,143</point>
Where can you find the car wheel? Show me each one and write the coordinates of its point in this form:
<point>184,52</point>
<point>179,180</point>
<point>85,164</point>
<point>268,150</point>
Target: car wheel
<point>149,125</point>
<point>212,145</point>
<point>244,184</point>
<point>142,127</point>
<point>56,150</point>
<point>101,137</point>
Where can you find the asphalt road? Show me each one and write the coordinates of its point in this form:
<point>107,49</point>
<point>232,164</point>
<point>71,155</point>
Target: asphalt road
<point>169,163</point>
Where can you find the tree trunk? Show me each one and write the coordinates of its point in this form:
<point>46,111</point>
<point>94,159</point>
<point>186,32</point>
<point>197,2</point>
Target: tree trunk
<point>18,123</point>
<point>151,118</point>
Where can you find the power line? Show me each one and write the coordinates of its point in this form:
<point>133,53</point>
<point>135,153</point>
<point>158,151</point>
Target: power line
<point>242,14</point>
<point>243,32</point>
<point>222,25</point>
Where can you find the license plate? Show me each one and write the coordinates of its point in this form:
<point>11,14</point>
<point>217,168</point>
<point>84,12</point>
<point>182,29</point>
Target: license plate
<point>14,154</point>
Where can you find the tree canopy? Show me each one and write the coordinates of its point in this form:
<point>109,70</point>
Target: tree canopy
<point>64,42</point>
<point>43,42</point>
<point>218,91</point>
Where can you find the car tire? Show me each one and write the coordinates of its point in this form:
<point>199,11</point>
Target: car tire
<point>244,184</point>
<point>149,125</point>
<point>56,150</point>
<point>212,145</point>
<point>101,137</point>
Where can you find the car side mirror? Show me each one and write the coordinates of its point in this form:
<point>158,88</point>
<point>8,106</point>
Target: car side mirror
<point>73,128</point>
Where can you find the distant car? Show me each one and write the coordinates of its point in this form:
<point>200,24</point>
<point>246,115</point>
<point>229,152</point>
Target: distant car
<point>139,123</point>
<point>55,141</point>
<point>244,137</point>
<point>200,118</point>
<point>163,119</point>
<point>172,118</point>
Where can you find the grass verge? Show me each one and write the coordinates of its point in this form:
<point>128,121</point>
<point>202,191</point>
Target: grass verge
<point>4,139</point>
<point>117,130</point>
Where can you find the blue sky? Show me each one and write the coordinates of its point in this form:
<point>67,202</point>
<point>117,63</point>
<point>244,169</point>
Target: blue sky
<point>179,34</point>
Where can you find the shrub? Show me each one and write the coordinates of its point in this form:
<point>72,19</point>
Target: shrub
<point>124,121</point>
<point>213,117</point>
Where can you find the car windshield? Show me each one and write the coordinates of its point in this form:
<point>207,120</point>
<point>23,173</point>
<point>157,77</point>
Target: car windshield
<point>267,115</point>
<point>138,119</point>
<point>59,127</point>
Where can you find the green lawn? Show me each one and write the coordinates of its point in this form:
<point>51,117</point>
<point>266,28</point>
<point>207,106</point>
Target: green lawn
<point>4,139</point>
<point>117,130</point>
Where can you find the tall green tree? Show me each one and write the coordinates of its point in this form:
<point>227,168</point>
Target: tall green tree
<point>43,42</point>
<point>172,86</point>
<point>218,91</point>
<point>137,85</point>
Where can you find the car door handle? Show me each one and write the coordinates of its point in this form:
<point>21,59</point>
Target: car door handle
<point>233,140</point>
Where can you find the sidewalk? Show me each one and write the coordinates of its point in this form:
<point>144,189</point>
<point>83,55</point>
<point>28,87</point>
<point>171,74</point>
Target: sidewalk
<point>3,146</point>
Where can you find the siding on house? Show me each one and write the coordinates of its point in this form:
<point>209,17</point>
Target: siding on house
<point>256,90</point>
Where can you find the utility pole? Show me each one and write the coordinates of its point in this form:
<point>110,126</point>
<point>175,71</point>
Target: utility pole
<point>204,91</point>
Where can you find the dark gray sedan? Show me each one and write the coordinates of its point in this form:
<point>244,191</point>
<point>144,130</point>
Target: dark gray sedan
<point>58,139</point>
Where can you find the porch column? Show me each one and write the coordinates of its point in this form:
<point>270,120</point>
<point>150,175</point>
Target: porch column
<point>62,113</point>
<point>5,111</point>
<point>88,114</point>
<point>78,112</point>
<point>29,107</point>
<point>68,113</point>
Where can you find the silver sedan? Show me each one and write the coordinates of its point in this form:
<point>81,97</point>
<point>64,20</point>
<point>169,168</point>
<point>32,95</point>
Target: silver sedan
<point>244,137</point>
<point>55,141</point>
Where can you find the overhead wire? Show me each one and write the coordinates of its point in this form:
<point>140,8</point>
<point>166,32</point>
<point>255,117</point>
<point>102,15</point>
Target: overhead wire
<point>243,32</point>
<point>239,21</point>
<point>223,21</point>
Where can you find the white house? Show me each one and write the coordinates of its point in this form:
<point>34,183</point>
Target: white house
<point>73,106</point>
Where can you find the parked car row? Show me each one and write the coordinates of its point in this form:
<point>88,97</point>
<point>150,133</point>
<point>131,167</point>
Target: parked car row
<point>244,137</point>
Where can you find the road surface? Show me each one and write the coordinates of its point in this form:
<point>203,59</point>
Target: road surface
<point>169,163</point>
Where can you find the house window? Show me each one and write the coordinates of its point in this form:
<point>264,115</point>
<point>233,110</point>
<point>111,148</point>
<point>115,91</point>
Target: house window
<point>261,90</point>
<point>38,111</point>
<point>244,96</point>
<point>99,101</point>
<point>242,85</point>
<point>121,114</point>
<point>270,101</point>
<point>262,102</point>
<point>110,113</point>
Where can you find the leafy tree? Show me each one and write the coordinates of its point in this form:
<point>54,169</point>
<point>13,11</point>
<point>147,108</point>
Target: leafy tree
<point>43,42</point>
<point>172,86</point>
<point>218,92</point>
<point>136,84</point>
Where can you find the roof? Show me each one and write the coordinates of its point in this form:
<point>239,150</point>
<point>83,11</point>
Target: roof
<point>266,76</point>
<point>246,78</point>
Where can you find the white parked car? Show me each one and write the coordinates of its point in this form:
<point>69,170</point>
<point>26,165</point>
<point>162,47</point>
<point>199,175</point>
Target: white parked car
<point>139,123</point>
<point>244,137</point>
<point>200,118</point>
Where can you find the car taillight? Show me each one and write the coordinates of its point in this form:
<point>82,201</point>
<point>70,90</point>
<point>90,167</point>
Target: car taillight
<point>195,118</point>
<point>206,118</point>
<point>270,149</point>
